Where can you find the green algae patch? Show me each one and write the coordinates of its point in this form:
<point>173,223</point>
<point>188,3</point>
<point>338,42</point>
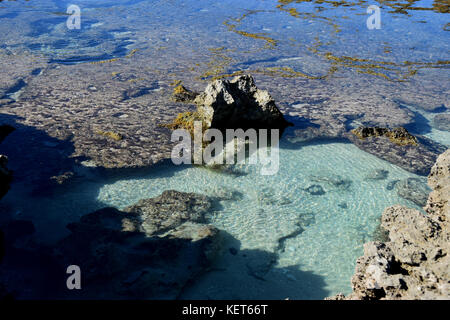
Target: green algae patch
<point>399,136</point>
<point>181,94</point>
<point>105,61</point>
<point>185,120</point>
<point>270,42</point>
<point>110,134</point>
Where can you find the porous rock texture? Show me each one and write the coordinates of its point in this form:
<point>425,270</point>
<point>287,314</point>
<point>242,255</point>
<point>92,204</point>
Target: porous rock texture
<point>238,103</point>
<point>415,262</point>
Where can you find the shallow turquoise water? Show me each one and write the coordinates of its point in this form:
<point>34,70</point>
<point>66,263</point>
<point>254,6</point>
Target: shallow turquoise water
<point>267,208</point>
<point>323,234</point>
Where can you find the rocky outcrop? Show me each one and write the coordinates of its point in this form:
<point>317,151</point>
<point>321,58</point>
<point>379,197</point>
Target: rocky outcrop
<point>238,104</point>
<point>150,250</point>
<point>442,122</point>
<point>415,261</point>
<point>233,104</point>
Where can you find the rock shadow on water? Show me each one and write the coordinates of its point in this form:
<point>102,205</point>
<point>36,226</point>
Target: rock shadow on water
<point>419,125</point>
<point>242,274</point>
<point>36,158</point>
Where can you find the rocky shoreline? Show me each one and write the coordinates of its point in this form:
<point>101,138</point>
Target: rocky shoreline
<point>414,261</point>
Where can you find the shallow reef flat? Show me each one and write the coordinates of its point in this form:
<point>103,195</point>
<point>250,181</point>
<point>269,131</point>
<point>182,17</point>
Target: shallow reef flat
<point>92,109</point>
<point>115,77</point>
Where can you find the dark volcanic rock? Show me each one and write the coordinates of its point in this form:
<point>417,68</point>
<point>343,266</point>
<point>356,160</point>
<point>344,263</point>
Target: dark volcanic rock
<point>442,122</point>
<point>124,254</point>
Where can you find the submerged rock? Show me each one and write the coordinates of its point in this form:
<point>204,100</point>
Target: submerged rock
<point>414,262</point>
<point>333,180</point>
<point>343,205</point>
<point>315,190</point>
<point>413,189</point>
<point>417,157</point>
<point>148,251</point>
<point>169,210</point>
<point>399,136</point>
<point>62,178</point>
<point>391,185</point>
<point>442,122</point>
<point>378,174</point>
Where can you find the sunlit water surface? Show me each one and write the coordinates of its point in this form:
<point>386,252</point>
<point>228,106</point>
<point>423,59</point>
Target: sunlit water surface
<point>318,235</point>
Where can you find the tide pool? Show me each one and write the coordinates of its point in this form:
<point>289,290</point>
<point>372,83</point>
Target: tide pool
<point>319,230</point>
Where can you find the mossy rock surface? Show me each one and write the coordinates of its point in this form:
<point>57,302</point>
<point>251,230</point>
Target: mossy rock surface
<point>399,136</point>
